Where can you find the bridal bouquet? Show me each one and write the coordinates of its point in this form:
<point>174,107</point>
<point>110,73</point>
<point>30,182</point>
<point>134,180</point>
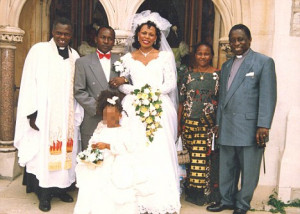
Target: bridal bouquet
<point>90,156</point>
<point>148,107</point>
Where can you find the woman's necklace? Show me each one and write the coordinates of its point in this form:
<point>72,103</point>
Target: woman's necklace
<point>146,54</point>
<point>202,76</point>
<point>203,73</point>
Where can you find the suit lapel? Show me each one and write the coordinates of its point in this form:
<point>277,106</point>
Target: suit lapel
<point>240,76</point>
<point>98,71</point>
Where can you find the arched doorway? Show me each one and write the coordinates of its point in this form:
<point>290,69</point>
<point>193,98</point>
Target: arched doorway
<point>82,13</point>
<point>194,19</point>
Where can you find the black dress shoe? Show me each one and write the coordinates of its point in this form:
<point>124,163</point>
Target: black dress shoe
<point>44,205</point>
<point>239,211</point>
<point>65,197</point>
<point>218,207</point>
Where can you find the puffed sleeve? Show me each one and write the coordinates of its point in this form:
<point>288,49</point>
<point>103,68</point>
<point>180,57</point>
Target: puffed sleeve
<point>169,83</point>
<point>126,88</point>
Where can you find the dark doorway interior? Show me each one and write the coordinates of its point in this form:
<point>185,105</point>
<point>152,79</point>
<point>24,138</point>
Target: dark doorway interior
<point>82,13</point>
<point>194,19</point>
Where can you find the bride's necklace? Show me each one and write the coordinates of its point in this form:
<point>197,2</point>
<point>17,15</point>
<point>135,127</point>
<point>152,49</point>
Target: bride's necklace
<point>146,54</point>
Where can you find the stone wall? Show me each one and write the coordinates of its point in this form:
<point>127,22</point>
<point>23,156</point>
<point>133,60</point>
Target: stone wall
<point>286,55</point>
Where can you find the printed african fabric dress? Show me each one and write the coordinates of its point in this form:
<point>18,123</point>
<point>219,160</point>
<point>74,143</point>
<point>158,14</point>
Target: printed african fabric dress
<point>199,96</point>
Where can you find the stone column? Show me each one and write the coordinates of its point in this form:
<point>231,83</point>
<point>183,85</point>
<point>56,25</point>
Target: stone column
<point>119,14</point>
<point>9,36</point>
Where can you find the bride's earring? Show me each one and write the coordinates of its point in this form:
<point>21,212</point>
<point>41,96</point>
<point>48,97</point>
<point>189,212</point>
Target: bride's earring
<point>155,42</point>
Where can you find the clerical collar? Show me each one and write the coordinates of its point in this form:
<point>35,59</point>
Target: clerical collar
<point>63,52</point>
<point>243,55</point>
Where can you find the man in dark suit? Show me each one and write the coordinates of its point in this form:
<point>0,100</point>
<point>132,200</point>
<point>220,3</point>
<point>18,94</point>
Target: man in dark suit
<point>92,75</point>
<point>245,112</point>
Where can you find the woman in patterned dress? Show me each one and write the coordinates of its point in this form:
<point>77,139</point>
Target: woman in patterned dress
<point>196,120</point>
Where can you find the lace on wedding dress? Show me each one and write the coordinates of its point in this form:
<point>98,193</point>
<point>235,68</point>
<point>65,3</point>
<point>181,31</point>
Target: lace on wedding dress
<point>169,78</point>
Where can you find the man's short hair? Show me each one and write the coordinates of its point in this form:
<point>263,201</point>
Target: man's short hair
<point>107,27</point>
<point>243,28</point>
<point>63,21</point>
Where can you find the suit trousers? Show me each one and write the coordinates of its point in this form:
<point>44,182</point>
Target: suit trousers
<point>85,138</point>
<point>236,161</point>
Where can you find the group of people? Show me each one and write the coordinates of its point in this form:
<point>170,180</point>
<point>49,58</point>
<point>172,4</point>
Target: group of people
<point>68,104</point>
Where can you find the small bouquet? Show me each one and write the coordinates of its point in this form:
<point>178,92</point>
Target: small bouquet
<point>119,67</point>
<point>91,156</point>
<point>148,107</point>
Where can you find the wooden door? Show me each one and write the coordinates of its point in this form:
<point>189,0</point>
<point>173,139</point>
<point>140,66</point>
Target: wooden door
<point>81,13</point>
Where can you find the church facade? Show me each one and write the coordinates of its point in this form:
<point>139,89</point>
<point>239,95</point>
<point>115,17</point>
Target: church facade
<point>275,28</point>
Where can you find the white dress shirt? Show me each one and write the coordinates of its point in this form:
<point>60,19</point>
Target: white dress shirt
<point>106,65</point>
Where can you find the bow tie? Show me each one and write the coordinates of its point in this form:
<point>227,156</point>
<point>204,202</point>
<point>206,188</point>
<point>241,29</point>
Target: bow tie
<point>101,55</point>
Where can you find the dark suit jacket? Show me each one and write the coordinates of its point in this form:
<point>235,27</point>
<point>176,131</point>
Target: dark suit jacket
<point>90,80</point>
<point>250,101</point>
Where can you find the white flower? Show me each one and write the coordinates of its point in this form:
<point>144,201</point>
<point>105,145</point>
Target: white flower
<point>136,102</point>
<point>146,114</point>
<point>112,100</point>
<point>146,102</point>
<point>153,126</point>
<point>154,112</point>
<point>92,157</point>
<point>157,119</point>
<point>81,155</point>
<point>146,91</point>
<point>152,108</point>
<point>119,68</point>
<point>100,156</point>
<point>117,63</point>
<point>154,97</point>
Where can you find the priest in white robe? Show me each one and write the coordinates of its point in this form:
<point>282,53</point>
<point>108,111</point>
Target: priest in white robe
<point>48,117</point>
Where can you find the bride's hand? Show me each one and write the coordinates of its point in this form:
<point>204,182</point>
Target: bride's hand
<point>116,82</point>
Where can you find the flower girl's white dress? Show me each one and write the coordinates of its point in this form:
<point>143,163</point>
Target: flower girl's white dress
<point>160,157</point>
<point>112,187</point>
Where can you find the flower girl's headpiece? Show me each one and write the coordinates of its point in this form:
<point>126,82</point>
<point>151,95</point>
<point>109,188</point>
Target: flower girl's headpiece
<point>112,100</point>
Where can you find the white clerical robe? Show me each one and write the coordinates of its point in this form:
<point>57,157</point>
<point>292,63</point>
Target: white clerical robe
<point>43,68</point>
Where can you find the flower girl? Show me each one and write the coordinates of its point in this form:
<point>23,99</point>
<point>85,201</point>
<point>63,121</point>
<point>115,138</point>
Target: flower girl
<point>109,186</point>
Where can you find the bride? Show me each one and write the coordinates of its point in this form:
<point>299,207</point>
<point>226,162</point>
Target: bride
<point>152,62</point>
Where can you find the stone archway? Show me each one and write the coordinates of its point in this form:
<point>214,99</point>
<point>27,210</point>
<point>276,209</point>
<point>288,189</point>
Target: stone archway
<point>117,11</point>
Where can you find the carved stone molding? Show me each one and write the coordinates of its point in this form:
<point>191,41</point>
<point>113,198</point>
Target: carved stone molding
<point>224,45</point>
<point>7,146</point>
<point>121,41</point>
<point>119,14</point>
<point>10,35</point>
<point>295,20</point>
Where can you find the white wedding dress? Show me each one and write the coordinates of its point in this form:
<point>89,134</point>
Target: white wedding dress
<point>160,157</point>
